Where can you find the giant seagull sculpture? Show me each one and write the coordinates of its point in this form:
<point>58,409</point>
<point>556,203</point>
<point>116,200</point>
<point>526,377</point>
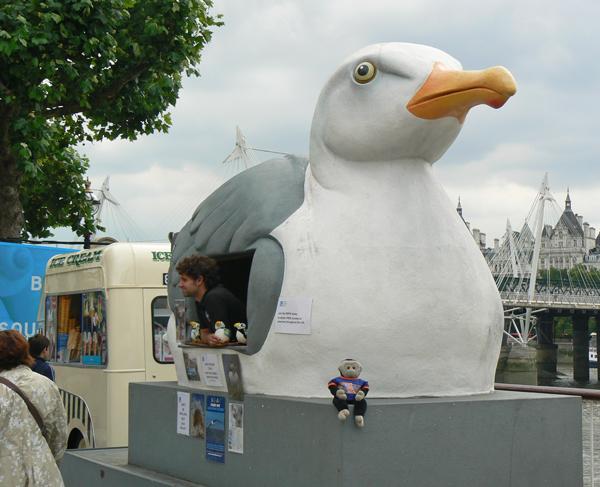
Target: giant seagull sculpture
<point>363,228</point>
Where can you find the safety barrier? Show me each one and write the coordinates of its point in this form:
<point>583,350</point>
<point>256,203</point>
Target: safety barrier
<point>79,417</point>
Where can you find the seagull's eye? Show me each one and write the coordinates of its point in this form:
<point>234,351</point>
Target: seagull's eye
<point>365,72</point>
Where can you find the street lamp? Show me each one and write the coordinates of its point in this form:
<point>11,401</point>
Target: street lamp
<point>95,202</point>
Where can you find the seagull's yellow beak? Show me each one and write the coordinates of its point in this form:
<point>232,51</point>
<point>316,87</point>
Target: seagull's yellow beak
<point>449,93</point>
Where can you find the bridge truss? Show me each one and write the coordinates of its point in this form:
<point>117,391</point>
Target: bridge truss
<point>530,252</point>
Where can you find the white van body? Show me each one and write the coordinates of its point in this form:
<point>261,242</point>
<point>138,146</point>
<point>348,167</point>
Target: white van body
<point>105,311</point>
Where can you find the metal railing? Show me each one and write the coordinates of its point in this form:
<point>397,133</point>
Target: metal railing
<point>589,395</point>
<point>79,414</point>
<point>550,300</point>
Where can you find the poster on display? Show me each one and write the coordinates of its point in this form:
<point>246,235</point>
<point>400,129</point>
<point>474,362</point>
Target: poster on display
<point>293,315</point>
<point>22,269</point>
<point>233,377</point>
<point>197,415</point>
<point>211,371</point>
<point>183,413</point>
<point>191,367</point>
<point>93,333</point>
<point>215,429</point>
<point>236,428</point>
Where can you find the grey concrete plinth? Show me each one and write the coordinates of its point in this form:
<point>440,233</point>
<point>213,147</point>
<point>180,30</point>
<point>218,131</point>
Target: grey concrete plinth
<point>108,467</point>
<point>521,366</point>
<point>500,439</point>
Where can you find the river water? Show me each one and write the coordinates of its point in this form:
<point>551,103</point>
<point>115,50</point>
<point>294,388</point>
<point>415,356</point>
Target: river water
<point>590,417</point>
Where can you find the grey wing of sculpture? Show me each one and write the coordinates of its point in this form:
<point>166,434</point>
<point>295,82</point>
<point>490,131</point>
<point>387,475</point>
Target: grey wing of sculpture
<point>239,218</point>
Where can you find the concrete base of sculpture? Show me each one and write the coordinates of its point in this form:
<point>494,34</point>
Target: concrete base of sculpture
<point>499,439</point>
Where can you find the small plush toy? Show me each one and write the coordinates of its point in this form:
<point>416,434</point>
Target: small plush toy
<point>349,389</point>
<point>195,332</point>
<point>222,332</point>
<point>240,334</point>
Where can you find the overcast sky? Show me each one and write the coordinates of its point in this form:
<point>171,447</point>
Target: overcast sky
<point>265,67</point>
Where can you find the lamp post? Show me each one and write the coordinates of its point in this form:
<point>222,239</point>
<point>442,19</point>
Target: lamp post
<point>95,202</point>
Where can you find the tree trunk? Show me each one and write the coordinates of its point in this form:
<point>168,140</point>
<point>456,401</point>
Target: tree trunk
<point>11,212</point>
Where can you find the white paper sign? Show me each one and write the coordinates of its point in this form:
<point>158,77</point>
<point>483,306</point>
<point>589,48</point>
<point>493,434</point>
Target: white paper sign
<point>235,443</point>
<point>211,371</point>
<point>183,413</point>
<point>293,315</point>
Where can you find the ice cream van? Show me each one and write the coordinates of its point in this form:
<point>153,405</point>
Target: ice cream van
<point>105,311</point>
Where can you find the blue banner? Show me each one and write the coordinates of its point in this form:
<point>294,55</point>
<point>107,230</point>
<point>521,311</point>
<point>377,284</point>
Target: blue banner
<point>22,269</point>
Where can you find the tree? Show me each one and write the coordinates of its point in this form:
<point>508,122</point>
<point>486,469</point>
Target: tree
<point>75,70</point>
<point>56,197</point>
<point>564,328</point>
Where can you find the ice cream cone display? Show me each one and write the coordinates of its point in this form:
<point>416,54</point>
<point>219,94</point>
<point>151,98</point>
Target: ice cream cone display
<point>64,310</point>
<point>74,343</point>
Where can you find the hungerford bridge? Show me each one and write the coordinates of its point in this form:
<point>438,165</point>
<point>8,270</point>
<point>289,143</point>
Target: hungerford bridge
<point>532,305</point>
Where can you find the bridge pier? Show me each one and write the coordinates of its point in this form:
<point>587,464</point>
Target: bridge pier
<point>581,346</point>
<point>520,367</point>
<point>547,351</point>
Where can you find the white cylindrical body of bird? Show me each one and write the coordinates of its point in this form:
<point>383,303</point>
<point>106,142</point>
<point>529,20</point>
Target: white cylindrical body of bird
<point>409,295</point>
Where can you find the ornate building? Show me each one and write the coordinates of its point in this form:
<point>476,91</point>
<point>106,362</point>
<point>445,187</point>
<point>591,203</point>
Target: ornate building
<point>570,242</point>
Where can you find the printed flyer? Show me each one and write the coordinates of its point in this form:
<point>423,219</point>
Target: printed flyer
<point>233,377</point>
<point>197,415</point>
<point>191,367</point>
<point>183,413</point>
<point>215,429</point>
<point>236,428</point>
<point>293,315</point>
<point>211,371</point>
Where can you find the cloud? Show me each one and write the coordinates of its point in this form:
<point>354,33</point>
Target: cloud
<point>264,70</point>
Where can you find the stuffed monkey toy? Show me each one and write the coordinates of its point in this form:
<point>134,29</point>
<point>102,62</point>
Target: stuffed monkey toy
<point>349,389</point>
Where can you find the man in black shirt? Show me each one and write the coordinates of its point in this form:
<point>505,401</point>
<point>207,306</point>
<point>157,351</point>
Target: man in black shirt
<point>199,279</point>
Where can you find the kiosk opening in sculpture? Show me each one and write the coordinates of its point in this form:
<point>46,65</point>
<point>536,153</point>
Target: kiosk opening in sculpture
<point>363,229</point>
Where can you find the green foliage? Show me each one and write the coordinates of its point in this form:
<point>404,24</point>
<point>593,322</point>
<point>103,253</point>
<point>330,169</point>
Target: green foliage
<point>583,276</point>
<point>56,197</point>
<point>578,276</point>
<point>564,328</point>
<point>74,70</point>
<point>554,274</point>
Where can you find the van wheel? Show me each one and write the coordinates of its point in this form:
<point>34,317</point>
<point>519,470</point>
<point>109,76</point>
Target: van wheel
<point>76,440</point>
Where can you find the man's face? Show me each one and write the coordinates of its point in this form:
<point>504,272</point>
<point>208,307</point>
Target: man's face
<point>189,287</point>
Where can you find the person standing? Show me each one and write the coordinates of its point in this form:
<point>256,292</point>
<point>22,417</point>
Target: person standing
<point>39,350</point>
<point>26,456</point>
